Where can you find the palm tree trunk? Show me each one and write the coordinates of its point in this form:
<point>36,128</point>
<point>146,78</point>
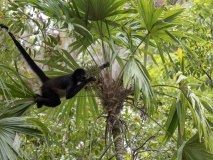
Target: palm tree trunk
<point>116,130</point>
<point>114,95</point>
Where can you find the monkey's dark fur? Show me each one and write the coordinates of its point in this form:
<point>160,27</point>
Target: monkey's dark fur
<point>53,89</point>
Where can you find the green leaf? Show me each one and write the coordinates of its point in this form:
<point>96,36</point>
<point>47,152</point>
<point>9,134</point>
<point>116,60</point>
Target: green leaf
<point>171,15</point>
<point>180,151</point>
<point>80,108</point>
<point>162,57</point>
<point>172,122</point>
<point>181,106</point>
<point>9,126</point>
<point>196,150</point>
<point>99,9</point>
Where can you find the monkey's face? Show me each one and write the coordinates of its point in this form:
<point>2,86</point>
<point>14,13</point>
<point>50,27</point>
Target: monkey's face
<point>80,75</point>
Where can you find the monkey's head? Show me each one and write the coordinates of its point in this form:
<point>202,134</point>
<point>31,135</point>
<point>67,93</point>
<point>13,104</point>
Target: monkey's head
<point>79,75</point>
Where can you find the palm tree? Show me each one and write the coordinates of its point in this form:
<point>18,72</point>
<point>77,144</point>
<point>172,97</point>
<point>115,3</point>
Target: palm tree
<point>13,119</point>
<point>130,34</point>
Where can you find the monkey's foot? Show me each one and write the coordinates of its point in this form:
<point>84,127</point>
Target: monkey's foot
<point>39,105</point>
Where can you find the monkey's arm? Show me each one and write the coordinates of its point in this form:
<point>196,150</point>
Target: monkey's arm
<point>73,90</point>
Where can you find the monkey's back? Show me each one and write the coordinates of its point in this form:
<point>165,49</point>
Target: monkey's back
<point>58,85</point>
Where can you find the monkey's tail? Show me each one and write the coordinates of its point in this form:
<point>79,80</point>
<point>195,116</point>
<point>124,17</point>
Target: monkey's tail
<point>29,60</point>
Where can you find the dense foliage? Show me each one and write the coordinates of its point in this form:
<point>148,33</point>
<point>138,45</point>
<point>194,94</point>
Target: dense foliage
<point>154,102</point>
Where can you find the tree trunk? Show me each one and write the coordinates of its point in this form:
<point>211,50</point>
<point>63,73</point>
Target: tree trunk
<point>115,127</point>
<point>114,96</point>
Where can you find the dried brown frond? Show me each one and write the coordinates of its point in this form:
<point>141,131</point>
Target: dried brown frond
<point>113,94</point>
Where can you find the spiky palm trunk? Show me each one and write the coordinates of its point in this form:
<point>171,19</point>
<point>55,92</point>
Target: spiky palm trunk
<point>116,130</point>
<point>114,96</point>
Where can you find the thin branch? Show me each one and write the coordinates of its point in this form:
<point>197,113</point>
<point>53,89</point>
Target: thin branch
<point>157,123</point>
<point>209,76</point>
<point>134,152</point>
<point>153,150</point>
<point>162,93</point>
<point>163,85</point>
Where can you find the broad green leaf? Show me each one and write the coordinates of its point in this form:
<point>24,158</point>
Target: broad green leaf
<point>146,10</point>
<point>181,107</point>
<point>80,108</point>
<point>162,58</point>
<point>99,9</point>
<point>180,151</point>
<point>172,122</point>
<point>92,103</point>
<point>54,65</point>
<point>171,15</point>
<point>196,150</point>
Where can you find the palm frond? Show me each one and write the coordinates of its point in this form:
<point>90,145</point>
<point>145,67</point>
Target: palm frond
<point>9,127</point>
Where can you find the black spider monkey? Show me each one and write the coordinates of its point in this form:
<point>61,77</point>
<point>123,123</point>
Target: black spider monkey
<point>53,89</point>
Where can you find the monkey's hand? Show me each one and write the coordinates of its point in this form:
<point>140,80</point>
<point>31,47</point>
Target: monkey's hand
<point>91,79</point>
<point>105,65</point>
<point>36,95</point>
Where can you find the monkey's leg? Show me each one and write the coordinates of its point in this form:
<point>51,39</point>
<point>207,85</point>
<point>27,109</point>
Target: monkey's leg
<point>49,98</point>
<point>72,91</point>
